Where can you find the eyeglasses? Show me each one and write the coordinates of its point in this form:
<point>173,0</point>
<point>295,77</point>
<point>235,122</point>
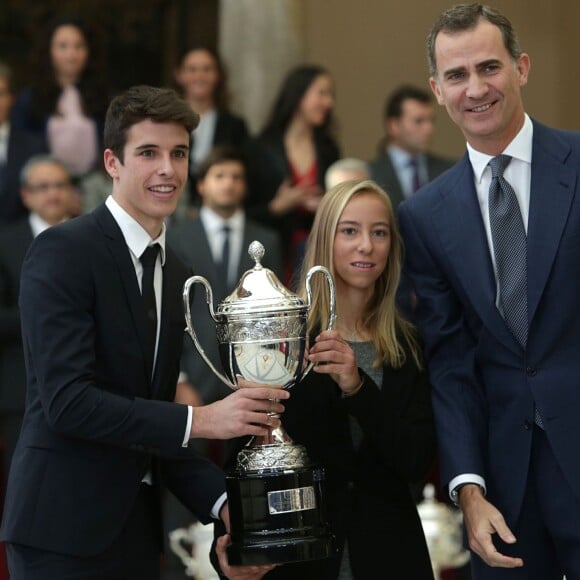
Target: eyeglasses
<point>46,185</point>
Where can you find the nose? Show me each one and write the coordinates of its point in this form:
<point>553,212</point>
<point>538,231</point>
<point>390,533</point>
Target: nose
<point>477,87</point>
<point>365,244</point>
<point>165,166</point>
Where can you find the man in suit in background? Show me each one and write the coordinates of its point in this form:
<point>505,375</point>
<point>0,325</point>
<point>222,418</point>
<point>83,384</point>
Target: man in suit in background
<point>47,194</point>
<point>102,328</point>
<point>199,242</point>
<point>493,251</point>
<point>16,147</point>
<point>404,161</point>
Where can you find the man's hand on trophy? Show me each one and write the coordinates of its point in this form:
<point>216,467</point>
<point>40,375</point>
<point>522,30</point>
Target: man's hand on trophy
<point>334,357</point>
<point>250,410</point>
<point>238,572</point>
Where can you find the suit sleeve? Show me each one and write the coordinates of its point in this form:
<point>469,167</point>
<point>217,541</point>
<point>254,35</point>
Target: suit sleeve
<point>450,350</point>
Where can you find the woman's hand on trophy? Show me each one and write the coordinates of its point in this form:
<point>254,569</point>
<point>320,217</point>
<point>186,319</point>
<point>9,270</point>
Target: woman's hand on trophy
<point>333,356</point>
<point>250,410</point>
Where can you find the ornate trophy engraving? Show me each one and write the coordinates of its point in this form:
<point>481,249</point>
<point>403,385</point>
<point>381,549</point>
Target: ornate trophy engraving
<point>275,494</point>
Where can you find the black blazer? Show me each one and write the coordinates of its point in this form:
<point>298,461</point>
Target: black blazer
<point>14,242</point>
<point>95,422</point>
<point>367,489</point>
<point>383,172</point>
<point>189,241</point>
<point>22,145</point>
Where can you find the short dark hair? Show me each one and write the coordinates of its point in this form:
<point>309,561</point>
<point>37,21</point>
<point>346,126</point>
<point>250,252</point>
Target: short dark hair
<point>221,154</point>
<point>394,102</point>
<point>141,103</point>
<point>462,17</point>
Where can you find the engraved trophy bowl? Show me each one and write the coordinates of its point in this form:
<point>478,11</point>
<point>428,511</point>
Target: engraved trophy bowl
<point>275,494</point>
<point>442,526</point>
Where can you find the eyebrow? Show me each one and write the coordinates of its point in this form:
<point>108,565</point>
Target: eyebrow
<point>479,66</point>
<point>353,222</point>
<point>154,146</point>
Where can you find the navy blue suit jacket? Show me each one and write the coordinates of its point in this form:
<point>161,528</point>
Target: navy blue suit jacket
<point>95,421</point>
<point>484,384</point>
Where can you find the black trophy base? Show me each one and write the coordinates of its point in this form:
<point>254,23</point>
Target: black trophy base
<point>277,517</point>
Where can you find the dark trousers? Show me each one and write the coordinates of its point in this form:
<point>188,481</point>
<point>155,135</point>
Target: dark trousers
<point>134,555</point>
<point>548,530</point>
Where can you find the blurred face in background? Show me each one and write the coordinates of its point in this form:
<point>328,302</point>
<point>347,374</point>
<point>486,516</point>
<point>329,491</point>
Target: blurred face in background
<point>48,192</point>
<point>318,101</point>
<point>223,187</point>
<point>69,53</point>
<point>413,130</point>
<point>6,100</point>
<point>198,75</point>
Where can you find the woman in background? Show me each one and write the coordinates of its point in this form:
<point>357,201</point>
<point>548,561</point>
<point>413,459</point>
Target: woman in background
<point>68,97</point>
<point>291,156</point>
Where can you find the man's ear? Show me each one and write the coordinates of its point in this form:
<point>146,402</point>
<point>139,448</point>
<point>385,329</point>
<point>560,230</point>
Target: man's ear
<point>111,162</point>
<point>436,90</point>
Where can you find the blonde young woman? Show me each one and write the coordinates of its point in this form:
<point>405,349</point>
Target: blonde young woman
<point>364,412</point>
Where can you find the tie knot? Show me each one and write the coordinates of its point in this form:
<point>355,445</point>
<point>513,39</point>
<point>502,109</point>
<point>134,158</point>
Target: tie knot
<point>498,165</point>
<point>149,256</point>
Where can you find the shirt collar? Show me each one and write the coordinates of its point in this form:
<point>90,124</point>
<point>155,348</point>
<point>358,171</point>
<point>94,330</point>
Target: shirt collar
<point>213,223</point>
<point>37,224</point>
<point>136,237</point>
<point>519,148</point>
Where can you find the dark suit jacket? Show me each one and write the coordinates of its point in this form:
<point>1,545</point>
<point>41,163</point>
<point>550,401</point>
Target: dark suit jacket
<point>189,240</point>
<point>383,172</point>
<point>485,385</point>
<point>22,145</point>
<point>14,242</point>
<point>95,422</point>
<point>368,499</point>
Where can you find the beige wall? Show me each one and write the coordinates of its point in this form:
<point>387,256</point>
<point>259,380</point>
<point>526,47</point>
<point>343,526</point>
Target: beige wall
<point>370,46</point>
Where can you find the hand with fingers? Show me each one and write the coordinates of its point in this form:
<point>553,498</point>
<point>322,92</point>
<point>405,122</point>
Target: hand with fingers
<point>250,410</point>
<point>335,358</point>
<point>482,520</point>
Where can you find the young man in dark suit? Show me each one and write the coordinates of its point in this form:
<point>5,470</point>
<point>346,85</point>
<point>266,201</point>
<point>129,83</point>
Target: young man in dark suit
<point>493,251</point>
<point>102,322</point>
<point>16,147</point>
<point>47,194</point>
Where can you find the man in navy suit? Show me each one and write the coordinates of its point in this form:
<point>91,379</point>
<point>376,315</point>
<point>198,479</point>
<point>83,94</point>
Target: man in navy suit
<point>101,434</point>
<point>498,314</point>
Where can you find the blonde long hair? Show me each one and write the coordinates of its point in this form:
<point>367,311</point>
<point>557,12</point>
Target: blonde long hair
<point>388,329</point>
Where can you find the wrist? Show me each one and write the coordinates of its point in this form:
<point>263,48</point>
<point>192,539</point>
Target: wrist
<point>355,390</point>
<point>465,492</point>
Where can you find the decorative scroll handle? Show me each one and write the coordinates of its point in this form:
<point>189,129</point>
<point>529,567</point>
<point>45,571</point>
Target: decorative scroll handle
<point>189,325</point>
<point>332,301</point>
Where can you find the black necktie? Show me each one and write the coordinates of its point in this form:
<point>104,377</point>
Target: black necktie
<point>148,259</point>
<point>225,257</point>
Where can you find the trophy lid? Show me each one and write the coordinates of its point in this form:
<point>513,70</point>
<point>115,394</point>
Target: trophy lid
<point>259,291</point>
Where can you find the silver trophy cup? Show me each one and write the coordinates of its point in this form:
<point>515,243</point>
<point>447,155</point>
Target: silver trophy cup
<point>275,494</point>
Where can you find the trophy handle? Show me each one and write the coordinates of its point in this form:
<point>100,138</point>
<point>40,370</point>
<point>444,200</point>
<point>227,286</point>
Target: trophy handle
<point>332,300</point>
<point>189,325</point>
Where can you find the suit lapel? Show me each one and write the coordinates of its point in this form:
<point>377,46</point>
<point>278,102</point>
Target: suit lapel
<point>126,270</point>
<point>551,195</point>
<point>459,225</point>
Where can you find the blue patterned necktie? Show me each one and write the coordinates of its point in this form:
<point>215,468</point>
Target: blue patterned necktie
<point>510,251</point>
<point>509,247</point>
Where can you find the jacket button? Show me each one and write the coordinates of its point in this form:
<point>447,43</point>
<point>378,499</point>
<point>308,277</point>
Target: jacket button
<point>531,371</point>
<point>527,424</point>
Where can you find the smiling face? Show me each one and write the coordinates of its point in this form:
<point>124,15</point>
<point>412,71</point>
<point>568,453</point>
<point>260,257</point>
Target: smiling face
<point>69,53</point>
<point>362,243</point>
<point>148,183</point>
<point>318,101</point>
<point>480,85</point>
<point>198,75</point>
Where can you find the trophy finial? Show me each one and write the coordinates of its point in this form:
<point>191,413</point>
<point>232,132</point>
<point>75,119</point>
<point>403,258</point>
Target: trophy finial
<point>256,251</point>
